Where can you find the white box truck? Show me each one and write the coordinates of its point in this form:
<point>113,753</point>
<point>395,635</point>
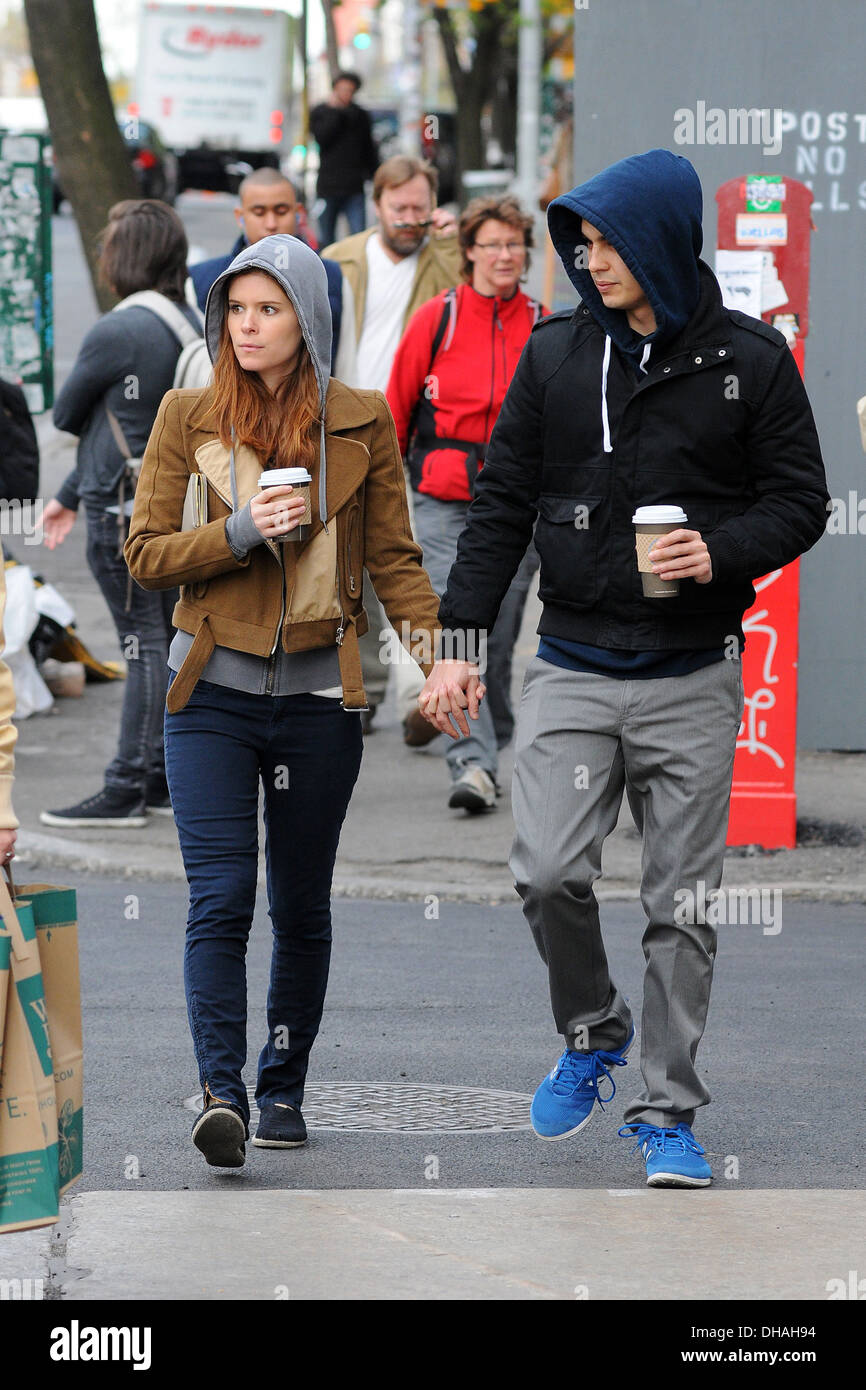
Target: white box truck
<point>214,80</point>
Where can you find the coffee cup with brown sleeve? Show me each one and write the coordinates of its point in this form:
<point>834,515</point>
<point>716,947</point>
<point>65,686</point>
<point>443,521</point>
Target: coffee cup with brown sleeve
<point>650,524</point>
<point>300,480</point>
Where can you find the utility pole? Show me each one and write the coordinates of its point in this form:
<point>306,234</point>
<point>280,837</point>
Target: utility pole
<point>305,100</point>
<point>410,80</point>
<point>529,51</point>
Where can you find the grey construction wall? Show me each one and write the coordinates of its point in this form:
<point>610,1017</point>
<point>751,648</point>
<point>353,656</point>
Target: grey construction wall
<point>637,62</point>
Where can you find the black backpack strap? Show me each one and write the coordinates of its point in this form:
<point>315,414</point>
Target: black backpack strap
<point>438,337</point>
<point>448,308</point>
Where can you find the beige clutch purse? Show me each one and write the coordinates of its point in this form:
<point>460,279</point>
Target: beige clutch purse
<point>195,503</point>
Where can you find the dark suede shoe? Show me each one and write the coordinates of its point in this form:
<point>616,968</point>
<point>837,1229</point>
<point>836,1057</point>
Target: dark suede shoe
<point>418,731</point>
<point>219,1132</point>
<point>280,1127</point>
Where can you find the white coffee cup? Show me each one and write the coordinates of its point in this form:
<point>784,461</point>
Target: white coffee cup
<point>300,480</point>
<point>650,523</point>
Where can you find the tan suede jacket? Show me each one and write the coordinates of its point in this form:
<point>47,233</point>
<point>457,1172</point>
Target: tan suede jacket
<point>243,604</point>
<point>438,269</point>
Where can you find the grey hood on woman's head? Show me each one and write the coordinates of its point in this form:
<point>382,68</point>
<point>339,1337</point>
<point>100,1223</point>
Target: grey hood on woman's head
<point>300,273</point>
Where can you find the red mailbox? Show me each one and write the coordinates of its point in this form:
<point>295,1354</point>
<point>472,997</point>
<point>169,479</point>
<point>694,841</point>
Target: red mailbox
<point>771,214</point>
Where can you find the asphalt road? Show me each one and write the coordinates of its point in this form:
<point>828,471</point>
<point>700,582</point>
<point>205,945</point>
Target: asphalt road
<point>462,1001</point>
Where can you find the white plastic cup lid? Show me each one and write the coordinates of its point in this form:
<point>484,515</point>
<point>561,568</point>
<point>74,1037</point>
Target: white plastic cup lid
<point>279,477</point>
<point>659,516</point>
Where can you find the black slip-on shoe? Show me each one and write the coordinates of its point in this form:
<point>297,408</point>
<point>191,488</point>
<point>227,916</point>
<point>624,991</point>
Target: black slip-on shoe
<point>219,1133</point>
<point>280,1127</point>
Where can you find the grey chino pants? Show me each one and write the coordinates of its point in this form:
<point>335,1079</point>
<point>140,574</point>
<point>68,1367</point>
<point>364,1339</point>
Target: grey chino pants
<point>669,743</point>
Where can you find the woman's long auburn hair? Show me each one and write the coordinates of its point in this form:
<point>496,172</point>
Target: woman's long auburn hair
<point>283,429</point>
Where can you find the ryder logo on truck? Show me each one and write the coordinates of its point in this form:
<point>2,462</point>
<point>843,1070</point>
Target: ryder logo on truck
<point>198,41</point>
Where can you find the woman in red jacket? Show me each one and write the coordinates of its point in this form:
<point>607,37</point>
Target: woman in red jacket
<point>447,384</point>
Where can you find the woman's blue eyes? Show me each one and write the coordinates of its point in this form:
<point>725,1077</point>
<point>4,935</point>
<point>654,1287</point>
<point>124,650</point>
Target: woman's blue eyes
<point>266,308</point>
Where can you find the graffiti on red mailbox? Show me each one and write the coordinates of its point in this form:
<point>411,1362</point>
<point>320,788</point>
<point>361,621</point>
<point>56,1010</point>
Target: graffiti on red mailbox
<point>768,216</point>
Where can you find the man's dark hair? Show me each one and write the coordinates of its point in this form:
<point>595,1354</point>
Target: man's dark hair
<point>347,76</point>
<point>266,177</point>
<point>143,247</point>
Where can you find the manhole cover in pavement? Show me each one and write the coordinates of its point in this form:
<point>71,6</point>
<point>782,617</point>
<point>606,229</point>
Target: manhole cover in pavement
<point>407,1109</point>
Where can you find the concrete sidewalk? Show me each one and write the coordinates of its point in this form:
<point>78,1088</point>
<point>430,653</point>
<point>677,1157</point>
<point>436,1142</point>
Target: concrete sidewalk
<point>436,1244</point>
<point>400,838</point>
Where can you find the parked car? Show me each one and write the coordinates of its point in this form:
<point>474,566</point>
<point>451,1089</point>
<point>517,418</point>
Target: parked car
<point>155,167</point>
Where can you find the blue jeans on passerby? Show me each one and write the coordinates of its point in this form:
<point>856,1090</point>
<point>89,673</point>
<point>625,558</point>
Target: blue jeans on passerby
<point>437,527</point>
<point>306,752</point>
<point>144,630</point>
<point>352,205</point>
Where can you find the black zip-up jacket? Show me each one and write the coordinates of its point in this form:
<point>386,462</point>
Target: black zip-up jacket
<point>719,424</point>
<point>347,150</point>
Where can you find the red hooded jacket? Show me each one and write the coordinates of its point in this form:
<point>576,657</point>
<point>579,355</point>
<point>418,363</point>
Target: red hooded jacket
<point>445,403</point>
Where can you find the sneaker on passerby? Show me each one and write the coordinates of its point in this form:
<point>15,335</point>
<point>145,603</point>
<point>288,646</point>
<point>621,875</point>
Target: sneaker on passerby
<point>219,1133</point>
<point>157,800</point>
<point>280,1127</point>
<point>474,790</point>
<point>674,1158</point>
<point>109,808</point>
<point>564,1101</point>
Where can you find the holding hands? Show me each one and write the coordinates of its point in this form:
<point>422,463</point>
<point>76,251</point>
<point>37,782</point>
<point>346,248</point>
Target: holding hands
<point>452,688</point>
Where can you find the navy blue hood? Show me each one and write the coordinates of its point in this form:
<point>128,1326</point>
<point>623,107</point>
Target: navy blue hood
<point>649,208</point>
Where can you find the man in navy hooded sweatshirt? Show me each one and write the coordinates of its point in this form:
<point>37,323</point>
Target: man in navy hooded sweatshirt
<point>649,392</point>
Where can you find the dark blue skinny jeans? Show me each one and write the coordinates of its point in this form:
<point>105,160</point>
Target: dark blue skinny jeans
<point>306,752</point>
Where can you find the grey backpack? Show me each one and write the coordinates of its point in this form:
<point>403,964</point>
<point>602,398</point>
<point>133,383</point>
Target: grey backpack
<point>194,364</point>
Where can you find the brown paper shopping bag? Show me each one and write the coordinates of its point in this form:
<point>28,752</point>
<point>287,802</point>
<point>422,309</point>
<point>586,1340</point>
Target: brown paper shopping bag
<point>55,916</point>
<point>29,1178</point>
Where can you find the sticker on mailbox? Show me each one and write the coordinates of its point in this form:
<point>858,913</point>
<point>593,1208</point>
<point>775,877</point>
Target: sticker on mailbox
<point>762,229</point>
<point>764,194</point>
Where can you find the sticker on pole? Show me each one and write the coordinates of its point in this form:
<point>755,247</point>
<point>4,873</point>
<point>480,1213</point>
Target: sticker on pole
<point>762,229</point>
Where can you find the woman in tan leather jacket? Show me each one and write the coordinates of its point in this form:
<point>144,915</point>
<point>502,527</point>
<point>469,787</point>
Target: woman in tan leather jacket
<point>265,679</point>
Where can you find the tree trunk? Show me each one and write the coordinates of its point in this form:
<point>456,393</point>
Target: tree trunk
<point>92,162</point>
<point>504,113</point>
<point>473,88</point>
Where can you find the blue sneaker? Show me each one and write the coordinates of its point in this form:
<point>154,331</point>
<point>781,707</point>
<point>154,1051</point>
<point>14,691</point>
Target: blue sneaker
<point>674,1158</point>
<point>563,1103</point>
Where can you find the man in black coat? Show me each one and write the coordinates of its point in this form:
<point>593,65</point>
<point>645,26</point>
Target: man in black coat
<point>347,156</point>
<point>649,393</point>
